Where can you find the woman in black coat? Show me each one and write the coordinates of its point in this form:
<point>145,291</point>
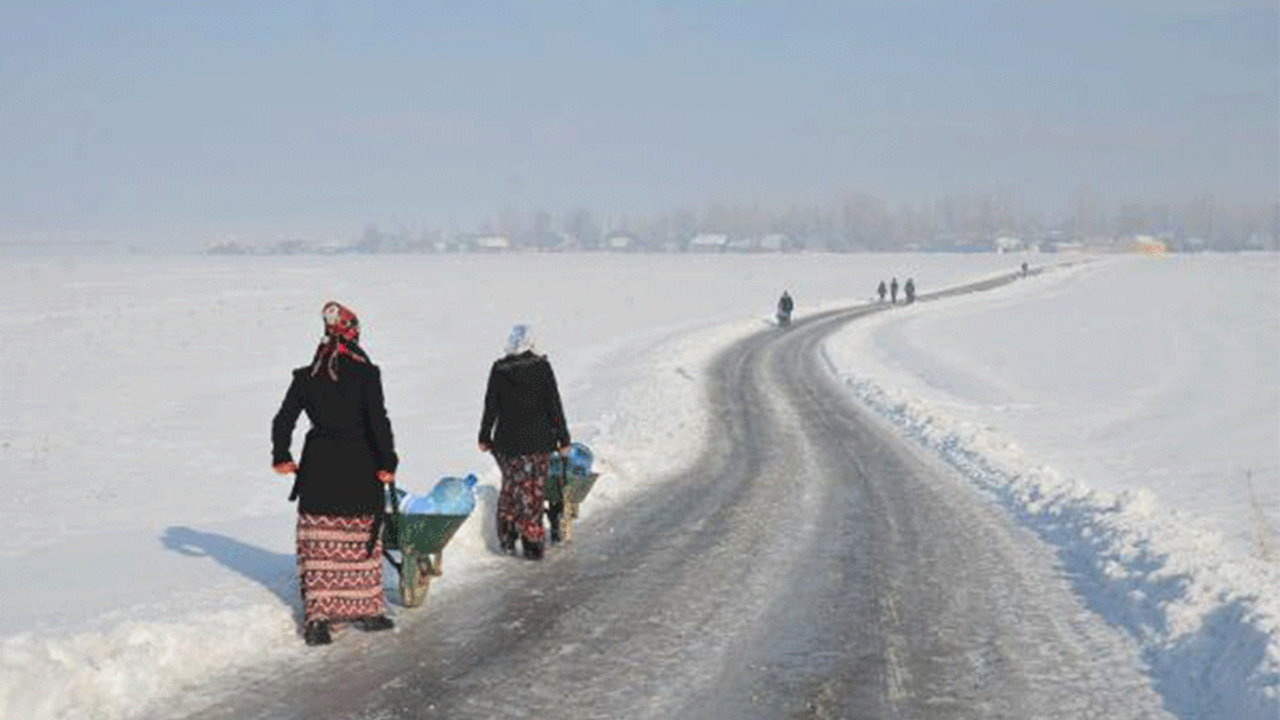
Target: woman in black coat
<point>523,424</point>
<point>348,456</point>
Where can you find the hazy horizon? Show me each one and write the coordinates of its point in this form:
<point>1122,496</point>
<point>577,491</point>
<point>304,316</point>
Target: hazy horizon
<point>168,123</point>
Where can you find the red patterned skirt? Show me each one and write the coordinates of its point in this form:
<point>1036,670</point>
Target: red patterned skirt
<point>524,479</point>
<point>339,578</point>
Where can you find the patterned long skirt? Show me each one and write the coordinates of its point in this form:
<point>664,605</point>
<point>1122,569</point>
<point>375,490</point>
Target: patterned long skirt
<point>524,479</point>
<point>339,578</point>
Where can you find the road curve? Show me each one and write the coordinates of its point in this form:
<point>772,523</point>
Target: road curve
<point>808,565</point>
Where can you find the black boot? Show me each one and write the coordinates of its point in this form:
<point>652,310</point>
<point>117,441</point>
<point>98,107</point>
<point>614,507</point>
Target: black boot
<point>507,536</point>
<point>508,542</point>
<point>532,550</point>
<point>375,623</point>
<point>317,633</point>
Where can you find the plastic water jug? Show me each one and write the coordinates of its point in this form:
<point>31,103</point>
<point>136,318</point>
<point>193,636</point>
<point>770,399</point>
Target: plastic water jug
<point>408,502</point>
<point>579,458</point>
<point>452,496</point>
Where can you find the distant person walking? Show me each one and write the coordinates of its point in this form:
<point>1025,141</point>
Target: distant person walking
<point>348,456</point>
<point>785,306</point>
<point>523,423</point>
<point>881,290</point>
<point>909,289</point>
<point>893,291</point>
<point>1025,269</point>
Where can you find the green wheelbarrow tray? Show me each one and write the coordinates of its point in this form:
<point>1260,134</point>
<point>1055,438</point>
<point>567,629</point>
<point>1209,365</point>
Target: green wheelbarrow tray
<point>567,489</point>
<point>420,540</point>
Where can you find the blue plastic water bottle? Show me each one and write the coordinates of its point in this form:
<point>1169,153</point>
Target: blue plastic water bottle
<point>417,505</point>
<point>580,458</point>
<point>454,496</point>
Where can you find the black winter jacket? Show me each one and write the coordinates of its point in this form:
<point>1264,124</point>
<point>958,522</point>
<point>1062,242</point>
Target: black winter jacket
<point>349,441</point>
<point>522,411</point>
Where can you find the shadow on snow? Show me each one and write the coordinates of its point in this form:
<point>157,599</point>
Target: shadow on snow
<point>275,571</point>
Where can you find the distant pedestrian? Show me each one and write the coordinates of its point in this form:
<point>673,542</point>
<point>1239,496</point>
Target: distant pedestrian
<point>785,305</point>
<point>882,290</point>
<point>910,290</point>
<point>893,291</point>
<point>1025,269</point>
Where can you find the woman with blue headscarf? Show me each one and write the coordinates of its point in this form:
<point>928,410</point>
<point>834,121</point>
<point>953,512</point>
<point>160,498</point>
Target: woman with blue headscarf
<point>523,423</point>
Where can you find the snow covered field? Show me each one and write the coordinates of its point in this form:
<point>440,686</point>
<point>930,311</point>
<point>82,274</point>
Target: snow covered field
<point>1128,409</point>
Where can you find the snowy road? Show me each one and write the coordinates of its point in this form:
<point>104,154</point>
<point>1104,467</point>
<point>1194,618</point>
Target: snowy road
<point>808,565</point>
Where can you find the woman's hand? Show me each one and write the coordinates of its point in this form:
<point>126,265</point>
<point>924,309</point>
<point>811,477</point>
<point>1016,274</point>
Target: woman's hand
<point>386,477</point>
<point>485,447</point>
<point>285,468</point>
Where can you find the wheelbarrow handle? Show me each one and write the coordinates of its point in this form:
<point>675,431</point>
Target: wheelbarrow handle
<point>394,498</point>
<point>382,519</point>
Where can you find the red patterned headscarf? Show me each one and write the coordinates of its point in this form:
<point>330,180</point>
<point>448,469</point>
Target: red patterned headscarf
<point>341,337</point>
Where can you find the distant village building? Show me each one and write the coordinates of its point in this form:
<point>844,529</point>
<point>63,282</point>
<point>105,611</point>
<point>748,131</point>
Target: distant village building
<point>709,242</point>
<point>1008,243</point>
<point>1149,245</point>
<point>228,247</point>
<point>333,247</point>
<point>621,243</point>
<point>452,244</point>
<point>492,243</point>
<point>1064,246</point>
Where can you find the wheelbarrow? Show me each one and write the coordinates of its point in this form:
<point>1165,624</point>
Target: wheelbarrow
<point>419,541</point>
<point>567,486</point>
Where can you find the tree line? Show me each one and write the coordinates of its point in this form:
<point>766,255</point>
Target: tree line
<point>856,223</point>
<point>865,223</point>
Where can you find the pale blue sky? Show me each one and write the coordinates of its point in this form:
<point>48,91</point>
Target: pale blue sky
<point>174,120</point>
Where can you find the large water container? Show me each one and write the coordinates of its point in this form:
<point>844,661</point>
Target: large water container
<point>406,500</point>
<point>576,462</point>
<point>450,496</point>
<point>579,459</point>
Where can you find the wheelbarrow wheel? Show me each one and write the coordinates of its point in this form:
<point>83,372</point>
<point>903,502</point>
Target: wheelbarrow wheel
<point>415,579</point>
<point>566,521</point>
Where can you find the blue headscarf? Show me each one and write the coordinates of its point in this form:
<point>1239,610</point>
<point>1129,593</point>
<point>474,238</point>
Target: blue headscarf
<point>520,340</point>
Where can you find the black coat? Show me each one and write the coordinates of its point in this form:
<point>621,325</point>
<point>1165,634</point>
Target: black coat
<point>522,411</point>
<point>349,441</point>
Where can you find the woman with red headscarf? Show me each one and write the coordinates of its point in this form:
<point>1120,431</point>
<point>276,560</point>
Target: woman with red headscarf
<point>348,456</point>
